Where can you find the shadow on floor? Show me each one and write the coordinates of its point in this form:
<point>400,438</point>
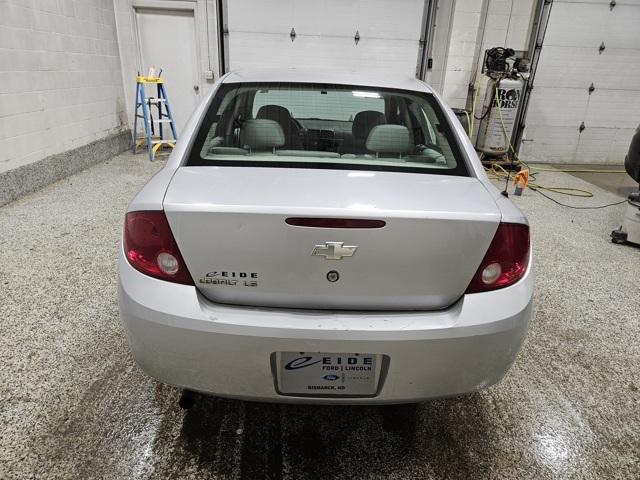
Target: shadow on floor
<point>440,438</point>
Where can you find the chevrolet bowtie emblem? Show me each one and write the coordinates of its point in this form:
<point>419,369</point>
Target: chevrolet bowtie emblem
<point>334,250</point>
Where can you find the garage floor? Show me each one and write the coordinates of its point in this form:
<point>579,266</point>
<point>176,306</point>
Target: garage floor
<point>619,183</point>
<point>74,405</point>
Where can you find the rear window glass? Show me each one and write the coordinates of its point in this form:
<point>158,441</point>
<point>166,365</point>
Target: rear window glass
<point>326,126</point>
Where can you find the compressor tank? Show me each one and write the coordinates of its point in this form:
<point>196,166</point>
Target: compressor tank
<point>494,138</point>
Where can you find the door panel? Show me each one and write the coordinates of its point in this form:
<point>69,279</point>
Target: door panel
<point>167,40</point>
<point>550,144</point>
<point>325,30</point>
<point>578,67</point>
<point>255,50</point>
<point>613,109</point>
<point>557,107</point>
<point>604,145</point>
<point>587,25</point>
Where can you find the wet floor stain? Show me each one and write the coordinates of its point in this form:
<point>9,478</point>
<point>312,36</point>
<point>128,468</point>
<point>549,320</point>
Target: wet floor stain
<point>129,426</point>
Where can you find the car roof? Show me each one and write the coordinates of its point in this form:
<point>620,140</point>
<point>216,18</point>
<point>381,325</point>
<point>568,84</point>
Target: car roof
<point>398,82</point>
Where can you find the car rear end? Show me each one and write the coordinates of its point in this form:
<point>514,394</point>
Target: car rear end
<point>296,267</point>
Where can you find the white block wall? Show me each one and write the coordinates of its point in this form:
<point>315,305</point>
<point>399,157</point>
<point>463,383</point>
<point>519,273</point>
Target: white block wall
<point>462,46</point>
<point>60,77</point>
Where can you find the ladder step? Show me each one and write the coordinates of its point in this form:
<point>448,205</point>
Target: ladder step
<point>161,121</point>
<point>156,100</point>
<point>155,142</point>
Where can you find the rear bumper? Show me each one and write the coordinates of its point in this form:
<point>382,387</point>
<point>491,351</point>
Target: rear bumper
<point>182,339</point>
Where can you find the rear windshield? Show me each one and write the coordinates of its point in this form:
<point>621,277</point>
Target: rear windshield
<point>326,126</point>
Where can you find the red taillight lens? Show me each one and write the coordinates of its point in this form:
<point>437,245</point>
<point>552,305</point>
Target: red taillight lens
<point>150,247</point>
<point>506,259</point>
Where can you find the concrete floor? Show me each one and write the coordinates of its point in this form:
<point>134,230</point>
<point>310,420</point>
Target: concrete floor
<point>607,177</point>
<point>74,405</point>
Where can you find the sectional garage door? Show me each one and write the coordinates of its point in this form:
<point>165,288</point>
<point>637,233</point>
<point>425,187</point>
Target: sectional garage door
<point>260,34</point>
<point>571,61</point>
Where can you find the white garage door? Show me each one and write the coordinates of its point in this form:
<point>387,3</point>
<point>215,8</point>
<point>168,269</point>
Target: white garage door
<point>569,63</point>
<point>260,34</point>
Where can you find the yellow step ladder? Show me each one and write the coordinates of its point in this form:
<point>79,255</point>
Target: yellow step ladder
<point>150,139</point>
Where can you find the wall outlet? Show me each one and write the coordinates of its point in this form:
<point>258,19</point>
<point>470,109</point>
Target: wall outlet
<point>208,74</point>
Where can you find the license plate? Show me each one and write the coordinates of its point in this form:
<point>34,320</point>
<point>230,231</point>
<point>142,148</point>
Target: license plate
<point>305,373</point>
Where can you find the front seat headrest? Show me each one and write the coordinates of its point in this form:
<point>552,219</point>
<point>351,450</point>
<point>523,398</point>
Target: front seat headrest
<point>274,112</point>
<point>261,134</point>
<point>389,139</point>
<point>364,121</point>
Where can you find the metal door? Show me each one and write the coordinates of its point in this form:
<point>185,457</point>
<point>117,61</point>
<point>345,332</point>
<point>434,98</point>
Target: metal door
<point>167,40</point>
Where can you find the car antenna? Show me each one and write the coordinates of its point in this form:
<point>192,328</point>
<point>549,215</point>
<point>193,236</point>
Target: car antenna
<point>505,192</point>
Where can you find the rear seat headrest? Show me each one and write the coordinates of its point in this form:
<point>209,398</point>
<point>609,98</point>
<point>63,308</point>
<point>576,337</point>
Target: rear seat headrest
<point>389,139</point>
<point>261,134</point>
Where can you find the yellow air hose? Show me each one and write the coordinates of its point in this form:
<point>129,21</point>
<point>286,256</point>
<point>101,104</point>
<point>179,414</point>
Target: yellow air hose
<point>499,173</point>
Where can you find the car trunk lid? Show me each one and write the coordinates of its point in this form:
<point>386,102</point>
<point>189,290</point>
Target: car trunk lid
<point>238,229</point>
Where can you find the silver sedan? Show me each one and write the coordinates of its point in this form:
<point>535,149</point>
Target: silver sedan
<point>324,238</point>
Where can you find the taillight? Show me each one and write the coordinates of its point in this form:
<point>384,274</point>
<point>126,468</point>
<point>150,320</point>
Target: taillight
<point>151,249</point>
<point>506,259</point>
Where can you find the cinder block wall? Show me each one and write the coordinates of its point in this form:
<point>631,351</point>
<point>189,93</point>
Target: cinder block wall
<point>60,78</point>
<point>507,24</point>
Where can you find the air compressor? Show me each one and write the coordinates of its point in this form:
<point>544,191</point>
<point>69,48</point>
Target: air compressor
<point>501,103</point>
